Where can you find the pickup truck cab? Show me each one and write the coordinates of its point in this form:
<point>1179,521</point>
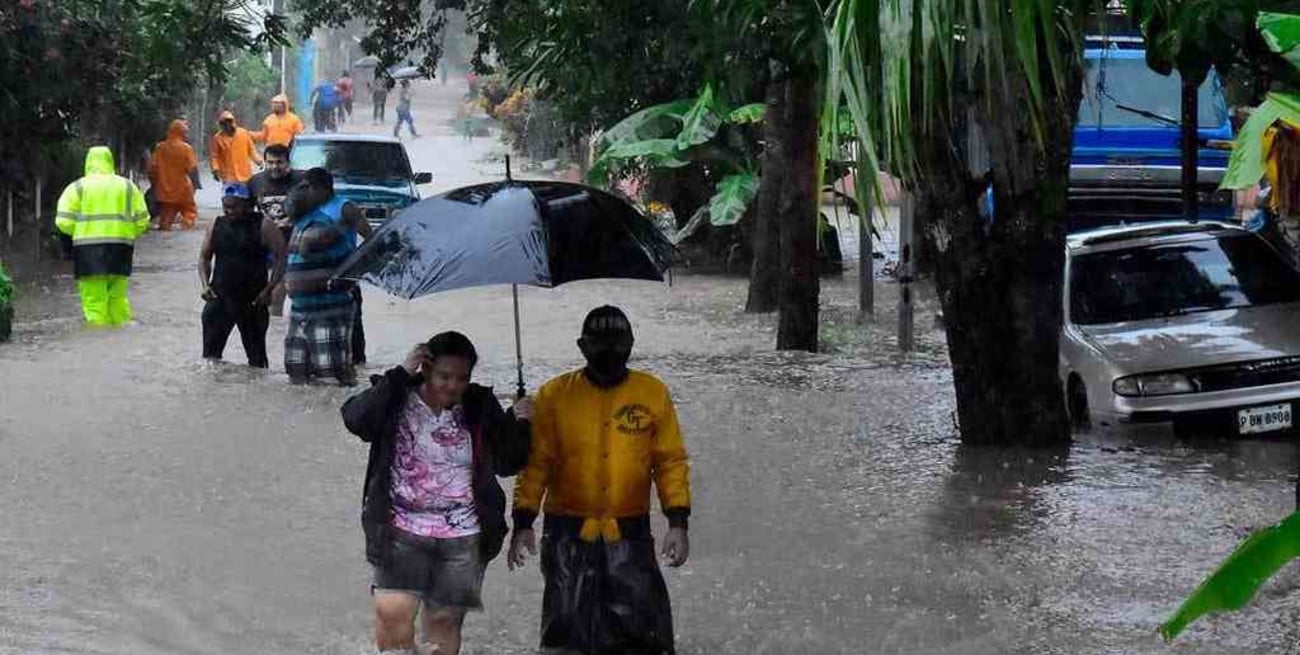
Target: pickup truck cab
<point>1126,162</point>
<point>371,171</point>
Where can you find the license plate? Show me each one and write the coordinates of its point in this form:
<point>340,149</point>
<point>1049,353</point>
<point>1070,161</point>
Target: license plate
<point>1264,419</point>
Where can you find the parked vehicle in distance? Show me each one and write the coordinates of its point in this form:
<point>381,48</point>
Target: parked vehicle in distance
<point>370,170</point>
<point>1189,326</point>
<point>1126,163</point>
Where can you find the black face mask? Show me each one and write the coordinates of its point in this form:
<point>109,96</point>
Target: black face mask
<point>606,360</point>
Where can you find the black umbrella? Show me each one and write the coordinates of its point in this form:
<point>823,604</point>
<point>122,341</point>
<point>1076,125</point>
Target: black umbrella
<point>513,232</point>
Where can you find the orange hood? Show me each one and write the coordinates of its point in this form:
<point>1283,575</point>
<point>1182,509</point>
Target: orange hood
<point>177,129</point>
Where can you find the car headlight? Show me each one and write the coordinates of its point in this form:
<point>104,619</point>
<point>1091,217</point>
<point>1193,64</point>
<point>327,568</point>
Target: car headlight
<point>392,213</point>
<point>1154,384</point>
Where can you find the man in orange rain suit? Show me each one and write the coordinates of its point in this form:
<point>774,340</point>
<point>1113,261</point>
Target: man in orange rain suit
<point>281,126</point>
<point>170,170</point>
<point>232,152</point>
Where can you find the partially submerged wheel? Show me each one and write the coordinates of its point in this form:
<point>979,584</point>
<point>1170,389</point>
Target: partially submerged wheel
<point>1076,404</point>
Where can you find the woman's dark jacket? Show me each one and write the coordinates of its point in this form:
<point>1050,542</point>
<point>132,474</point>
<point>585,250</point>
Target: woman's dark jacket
<point>500,441</point>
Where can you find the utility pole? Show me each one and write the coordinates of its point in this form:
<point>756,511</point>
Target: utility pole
<point>1190,144</point>
<point>277,7</point>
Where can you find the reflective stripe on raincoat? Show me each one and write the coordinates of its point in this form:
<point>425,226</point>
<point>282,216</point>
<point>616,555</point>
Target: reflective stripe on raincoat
<point>103,213</point>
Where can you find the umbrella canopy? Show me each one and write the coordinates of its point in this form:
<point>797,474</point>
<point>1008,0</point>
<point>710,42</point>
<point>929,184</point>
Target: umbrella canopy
<point>537,233</point>
<point>368,61</point>
<point>404,73</point>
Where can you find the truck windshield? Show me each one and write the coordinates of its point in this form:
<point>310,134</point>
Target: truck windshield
<point>1134,284</point>
<point>358,162</point>
<point>1129,82</point>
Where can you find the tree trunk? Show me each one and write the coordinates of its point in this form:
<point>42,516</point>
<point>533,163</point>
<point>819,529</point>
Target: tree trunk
<point>765,267</point>
<point>1000,277</point>
<point>800,287</point>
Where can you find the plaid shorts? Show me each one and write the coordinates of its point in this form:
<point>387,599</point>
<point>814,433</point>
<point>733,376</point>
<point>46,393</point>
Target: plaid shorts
<point>319,343</point>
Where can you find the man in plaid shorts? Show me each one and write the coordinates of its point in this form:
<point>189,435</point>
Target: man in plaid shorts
<point>318,341</point>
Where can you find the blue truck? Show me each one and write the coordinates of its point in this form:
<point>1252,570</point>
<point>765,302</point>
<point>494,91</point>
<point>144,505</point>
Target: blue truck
<point>1125,165</point>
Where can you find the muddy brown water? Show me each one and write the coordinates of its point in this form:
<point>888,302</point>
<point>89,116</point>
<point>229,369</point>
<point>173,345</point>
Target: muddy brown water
<point>153,504</point>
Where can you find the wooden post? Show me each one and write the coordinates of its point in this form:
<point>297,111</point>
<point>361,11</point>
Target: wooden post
<point>866,262</point>
<point>37,213</point>
<point>905,222</point>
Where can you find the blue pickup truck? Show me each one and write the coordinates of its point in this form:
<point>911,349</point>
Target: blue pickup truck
<point>1126,162</point>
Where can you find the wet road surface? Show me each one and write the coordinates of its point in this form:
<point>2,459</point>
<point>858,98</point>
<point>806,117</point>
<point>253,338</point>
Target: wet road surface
<point>153,504</point>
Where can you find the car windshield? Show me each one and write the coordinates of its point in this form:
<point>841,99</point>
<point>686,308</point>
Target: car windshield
<point>1129,82</point>
<point>358,162</point>
<point>1133,284</point>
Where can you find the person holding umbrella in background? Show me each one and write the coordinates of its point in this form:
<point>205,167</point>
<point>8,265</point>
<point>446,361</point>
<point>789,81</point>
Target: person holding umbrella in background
<point>404,110</point>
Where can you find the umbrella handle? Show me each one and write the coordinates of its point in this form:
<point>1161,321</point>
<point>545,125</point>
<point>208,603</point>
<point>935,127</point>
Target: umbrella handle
<point>520,390</point>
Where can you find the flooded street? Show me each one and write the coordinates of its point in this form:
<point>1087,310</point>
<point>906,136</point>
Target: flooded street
<point>154,504</point>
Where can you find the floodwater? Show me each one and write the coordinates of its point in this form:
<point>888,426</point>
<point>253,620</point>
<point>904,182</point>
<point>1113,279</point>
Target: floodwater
<point>153,504</point>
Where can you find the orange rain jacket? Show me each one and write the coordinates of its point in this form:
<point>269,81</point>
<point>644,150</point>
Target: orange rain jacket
<point>232,156</point>
<point>170,166</point>
<point>595,452</point>
<point>280,129</point>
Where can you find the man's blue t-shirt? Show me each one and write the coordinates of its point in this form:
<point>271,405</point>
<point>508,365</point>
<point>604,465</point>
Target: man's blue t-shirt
<point>327,95</point>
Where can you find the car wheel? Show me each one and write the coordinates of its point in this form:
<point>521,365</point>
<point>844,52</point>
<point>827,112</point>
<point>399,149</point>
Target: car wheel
<point>1076,404</point>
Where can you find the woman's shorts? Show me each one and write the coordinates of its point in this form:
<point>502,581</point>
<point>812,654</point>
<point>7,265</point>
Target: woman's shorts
<point>442,572</point>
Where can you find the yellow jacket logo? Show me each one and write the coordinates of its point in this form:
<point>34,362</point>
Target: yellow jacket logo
<point>635,420</point>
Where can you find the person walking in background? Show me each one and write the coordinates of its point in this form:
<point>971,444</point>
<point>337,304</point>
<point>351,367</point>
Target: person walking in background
<point>345,96</point>
<point>318,341</point>
<point>237,289</point>
<point>601,435</point>
<point>432,510</point>
<point>104,213</point>
<point>270,191</point>
<point>404,110</point>
<point>232,152</point>
<point>324,102</point>
<point>379,87</point>
<point>281,126</point>
<point>172,171</point>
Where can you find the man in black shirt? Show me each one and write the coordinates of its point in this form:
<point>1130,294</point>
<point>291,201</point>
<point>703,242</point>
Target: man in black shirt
<point>270,191</point>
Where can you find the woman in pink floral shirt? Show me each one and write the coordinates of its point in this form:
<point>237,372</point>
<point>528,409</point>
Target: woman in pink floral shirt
<point>433,512</point>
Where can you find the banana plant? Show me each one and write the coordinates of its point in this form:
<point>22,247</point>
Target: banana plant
<point>675,134</point>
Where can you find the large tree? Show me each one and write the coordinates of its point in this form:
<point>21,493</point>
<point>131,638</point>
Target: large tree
<point>959,99</point>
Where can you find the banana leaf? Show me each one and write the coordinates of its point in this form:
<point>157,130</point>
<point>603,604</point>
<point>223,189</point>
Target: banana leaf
<point>1235,582</point>
<point>1246,165</point>
<point>751,113</point>
<point>1282,34</point>
<point>701,122</point>
<point>734,195</point>
<point>657,122</point>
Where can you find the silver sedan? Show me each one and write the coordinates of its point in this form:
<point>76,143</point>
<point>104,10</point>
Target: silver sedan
<point>1194,327</point>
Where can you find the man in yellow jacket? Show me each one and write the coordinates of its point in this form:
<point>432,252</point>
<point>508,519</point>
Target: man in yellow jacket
<point>281,126</point>
<point>103,213</point>
<point>601,435</point>
<point>232,152</point>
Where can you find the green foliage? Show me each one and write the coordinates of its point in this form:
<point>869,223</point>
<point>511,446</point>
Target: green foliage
<point>675,134</point>
<point>250,86</point>
<point>112,70</point>
<point>1190,36</point>
<point>751,113</point>
<point>6,287</point>
<point>735,193</point>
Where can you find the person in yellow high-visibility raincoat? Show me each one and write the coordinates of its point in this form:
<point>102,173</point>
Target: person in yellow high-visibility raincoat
<point>103,213</point>
<point>601,436</point>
